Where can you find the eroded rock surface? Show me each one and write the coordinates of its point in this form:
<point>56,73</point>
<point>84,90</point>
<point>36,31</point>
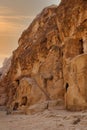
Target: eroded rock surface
<point>42,66</point>
<point>3,73</point>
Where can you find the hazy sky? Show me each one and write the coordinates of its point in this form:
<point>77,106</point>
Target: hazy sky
<point>15,16</point>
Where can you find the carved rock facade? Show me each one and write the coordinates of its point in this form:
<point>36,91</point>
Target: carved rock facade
<point>50,62</point>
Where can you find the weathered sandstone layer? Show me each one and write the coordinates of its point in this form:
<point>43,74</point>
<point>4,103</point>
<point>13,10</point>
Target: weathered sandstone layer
<point>50,62</point>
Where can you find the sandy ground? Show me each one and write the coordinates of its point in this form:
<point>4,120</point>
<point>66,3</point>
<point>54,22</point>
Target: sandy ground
<point>47,120</point>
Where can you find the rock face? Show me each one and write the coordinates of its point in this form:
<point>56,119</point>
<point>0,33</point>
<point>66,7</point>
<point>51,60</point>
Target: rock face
<point>76,95</point>
<point>6,65</point>
<point>3,72</point>
<point>37,63</point>
<point>50,62</point>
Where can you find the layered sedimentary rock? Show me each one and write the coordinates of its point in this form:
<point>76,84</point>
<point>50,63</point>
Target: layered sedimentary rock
<point>5,68</point>
<point>36,71</point>
<point>3,73</point>
<point>42,66</point>
<point>76,83</point>
<point>74,59</point>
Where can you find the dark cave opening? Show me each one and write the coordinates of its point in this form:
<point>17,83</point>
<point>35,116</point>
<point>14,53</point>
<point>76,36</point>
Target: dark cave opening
<point>16,105</point>
<point>24,100</point>
<point>66,87</point>
<point>81,44</point>
<point>18,81</point>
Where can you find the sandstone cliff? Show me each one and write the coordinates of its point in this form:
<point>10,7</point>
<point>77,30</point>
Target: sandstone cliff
<point>50,62</point>
<point>3,73</point>
<point>5,68</point>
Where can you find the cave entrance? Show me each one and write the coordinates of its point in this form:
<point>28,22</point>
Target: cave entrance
<point>0,74</point>
<point>82,46</point>
<point>16,105</point>
<point>24,100</point>
<point>66,87</point>
<point>18,81</point>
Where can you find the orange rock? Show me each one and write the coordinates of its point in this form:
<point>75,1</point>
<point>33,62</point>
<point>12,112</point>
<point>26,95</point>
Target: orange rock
<point>42,66</point>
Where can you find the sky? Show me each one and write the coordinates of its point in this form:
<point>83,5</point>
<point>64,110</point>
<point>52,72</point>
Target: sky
<point>15,17</point>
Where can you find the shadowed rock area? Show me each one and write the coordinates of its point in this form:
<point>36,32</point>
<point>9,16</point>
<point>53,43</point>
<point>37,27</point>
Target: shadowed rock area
<point>50,63</point>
